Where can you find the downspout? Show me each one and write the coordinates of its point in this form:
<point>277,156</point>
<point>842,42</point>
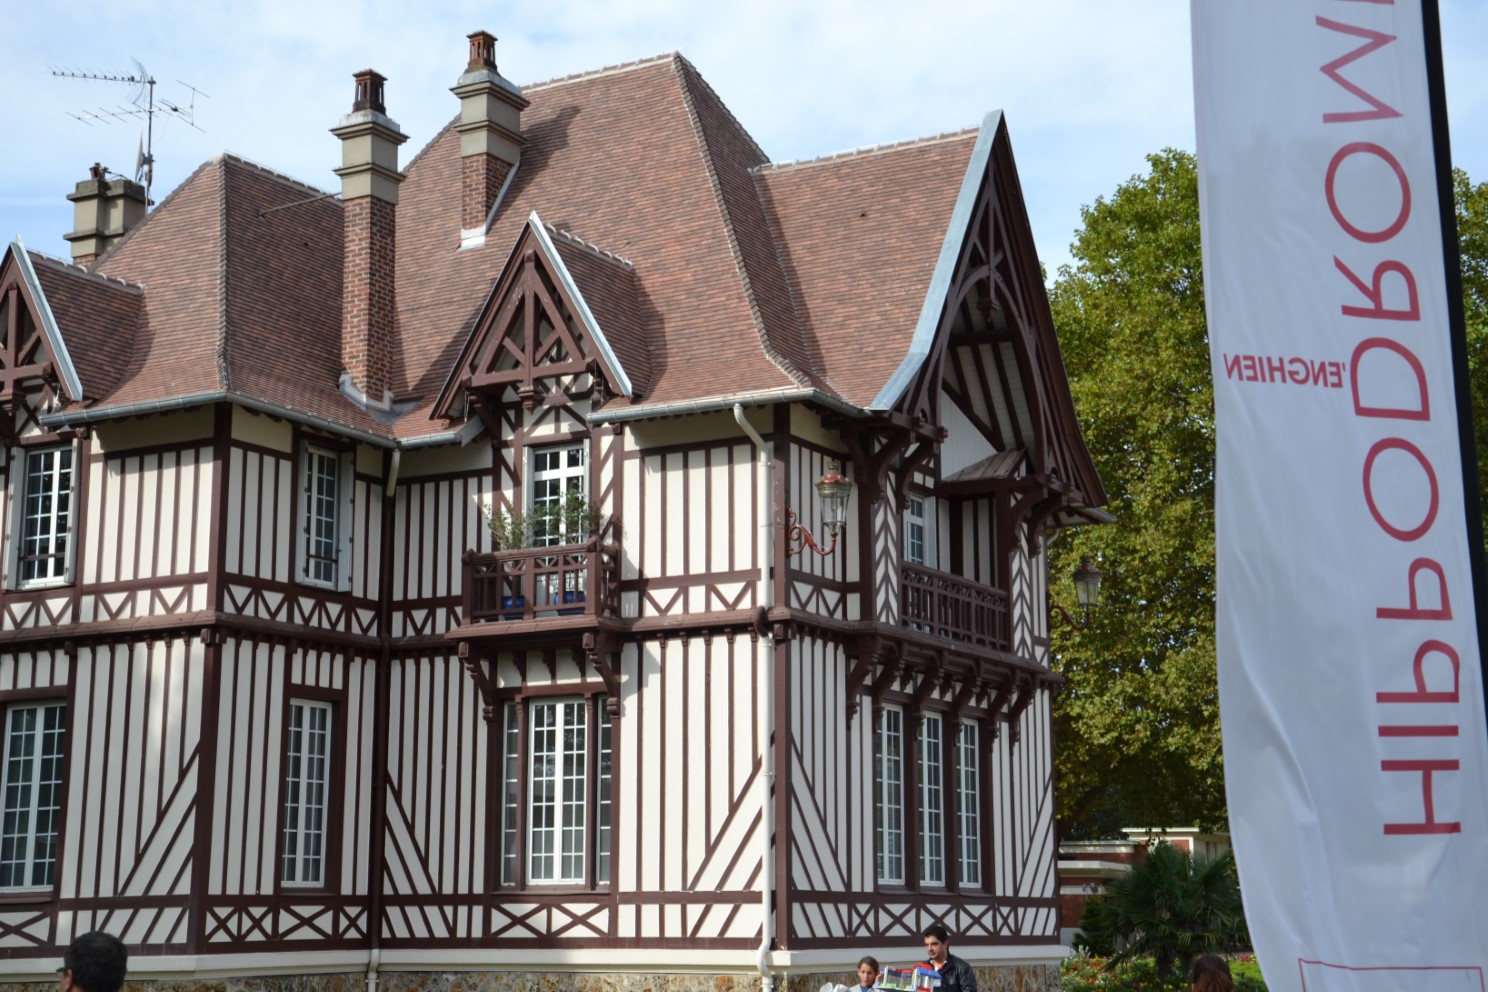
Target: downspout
<point>765,596</point>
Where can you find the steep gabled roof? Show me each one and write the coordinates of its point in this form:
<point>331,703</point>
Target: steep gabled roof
<point>634,158</point>
<point>507,347</point>
<point>241,276</point>
<point>861,234</point>
<point>100,315</point>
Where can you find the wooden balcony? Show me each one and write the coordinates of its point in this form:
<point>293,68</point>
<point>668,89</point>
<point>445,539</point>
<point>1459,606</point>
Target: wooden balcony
<point>949,606</point>
<point>561,580</point>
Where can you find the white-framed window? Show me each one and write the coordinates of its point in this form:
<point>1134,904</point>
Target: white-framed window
<point>32,794</point>
<point>932,801</point>
<point>969,804</point>
<point>568,761</point>
<point>307,770</point>
<point>511,762</point>
<point>919,530</point>
<point>42,550</point>
<point>325,515</point>
<point>889,779</point>
<point>556,472</point>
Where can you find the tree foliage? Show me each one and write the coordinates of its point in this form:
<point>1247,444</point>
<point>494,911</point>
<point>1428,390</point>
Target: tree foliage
<point>1137,718</point>
<point>1171,908</point>
<point>1137,722</point>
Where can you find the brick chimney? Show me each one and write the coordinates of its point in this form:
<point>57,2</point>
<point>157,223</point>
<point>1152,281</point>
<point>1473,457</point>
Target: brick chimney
<point>491,139</point>
<point>369,190</point>
<point>103,211</point>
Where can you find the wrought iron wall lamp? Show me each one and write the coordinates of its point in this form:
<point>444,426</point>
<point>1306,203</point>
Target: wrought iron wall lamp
<point>1087,579</point>
<point>833,489</point>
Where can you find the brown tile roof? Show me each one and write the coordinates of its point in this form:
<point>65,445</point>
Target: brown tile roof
<point>617,156</point>
<point>99,316</point>
<point>241,269</point>
<point>860,235</point>
<point>608,286</point>
<point>810,274</point>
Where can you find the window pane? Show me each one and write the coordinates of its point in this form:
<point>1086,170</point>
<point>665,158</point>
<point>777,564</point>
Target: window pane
<point>604,812</point>
<point>32,795</point>
<point>889,772</point>
<point>46,514</point>
<point>932,803</point>
<point>969,805</point>
<point>306,791</point>
<point>322,523</point>
<point>509,798</point>
<point>558,782</point>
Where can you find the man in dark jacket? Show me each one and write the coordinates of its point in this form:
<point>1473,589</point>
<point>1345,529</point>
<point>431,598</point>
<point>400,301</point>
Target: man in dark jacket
<point>955,975</point>
<point>94,962</point>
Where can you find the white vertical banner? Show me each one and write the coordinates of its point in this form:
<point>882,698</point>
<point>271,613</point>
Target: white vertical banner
<point>1356,756</point>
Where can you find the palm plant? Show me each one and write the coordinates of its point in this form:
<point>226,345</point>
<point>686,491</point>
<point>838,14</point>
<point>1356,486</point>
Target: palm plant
<point>1174,906</point>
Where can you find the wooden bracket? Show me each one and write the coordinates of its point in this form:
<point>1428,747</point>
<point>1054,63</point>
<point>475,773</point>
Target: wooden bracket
<point>599,647</point>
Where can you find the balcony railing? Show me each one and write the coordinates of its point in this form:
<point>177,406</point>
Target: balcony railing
<point>535,583</point>
<point>949,606</point>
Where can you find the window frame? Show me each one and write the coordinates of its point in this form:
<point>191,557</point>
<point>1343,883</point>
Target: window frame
<point>38,699</point>
<point>19,468</point>
<point>938,794</point>
<point>931,790</point>
<point>333,702</point>
<point>969,786</point>
<point>919,528</point>
<point>888,820</point>
<point>569,478</point>
<point>513,832</point>
<point>308,450</point>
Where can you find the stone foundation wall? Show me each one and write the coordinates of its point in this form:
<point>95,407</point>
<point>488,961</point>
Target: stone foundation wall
<point>1012,978</point>
<point>1009,978</point>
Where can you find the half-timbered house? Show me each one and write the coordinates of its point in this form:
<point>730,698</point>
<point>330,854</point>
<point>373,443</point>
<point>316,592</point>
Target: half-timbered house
<point>432,578</point>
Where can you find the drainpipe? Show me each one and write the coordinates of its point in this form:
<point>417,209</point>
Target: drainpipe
<point>766,598</point>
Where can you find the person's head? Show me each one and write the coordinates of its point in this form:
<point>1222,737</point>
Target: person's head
<point>1211,973</point>
<point>867,971</point>
<point>937,942</point>
<point>94,962</point>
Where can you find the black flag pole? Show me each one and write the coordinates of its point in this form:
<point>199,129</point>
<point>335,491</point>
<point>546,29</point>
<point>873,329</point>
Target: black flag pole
<point>1457,323</point>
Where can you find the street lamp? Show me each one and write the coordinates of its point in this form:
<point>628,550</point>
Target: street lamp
<point>1087,579</point>
<point>833,489</point>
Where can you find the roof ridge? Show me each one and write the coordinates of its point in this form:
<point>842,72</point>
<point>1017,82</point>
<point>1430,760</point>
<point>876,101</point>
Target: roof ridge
<point>226,156</point>
<point>787,367</point>
<point>594,249</point>
<point>224,372</point>
<point>150,214</point>
<point>608,70</point>
<point>82,271</point>
<point>723,106</point>
<point>867,150</point>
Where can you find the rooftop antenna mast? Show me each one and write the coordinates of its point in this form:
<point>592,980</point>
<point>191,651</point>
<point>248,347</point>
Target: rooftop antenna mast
<point>142,104</point>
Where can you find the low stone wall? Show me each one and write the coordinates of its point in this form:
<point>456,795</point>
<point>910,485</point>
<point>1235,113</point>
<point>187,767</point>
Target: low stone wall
<point>1011,978</point>
<point>1007,978</point>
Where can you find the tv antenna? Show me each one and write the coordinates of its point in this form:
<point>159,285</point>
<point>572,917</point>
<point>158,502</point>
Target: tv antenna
<point>142,104</point>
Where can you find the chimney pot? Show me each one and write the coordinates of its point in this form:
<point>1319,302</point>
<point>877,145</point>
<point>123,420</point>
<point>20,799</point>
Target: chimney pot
<point>482,51</point>
<point>369,91</point>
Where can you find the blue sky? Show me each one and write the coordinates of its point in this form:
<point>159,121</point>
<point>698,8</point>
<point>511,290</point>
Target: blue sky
<point>1089,87</point>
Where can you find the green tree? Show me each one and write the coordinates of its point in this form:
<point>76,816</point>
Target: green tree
<point>1173,907</point>
<point>1138,717</point>
<point>1137,722</point>
<point>1472,237</point>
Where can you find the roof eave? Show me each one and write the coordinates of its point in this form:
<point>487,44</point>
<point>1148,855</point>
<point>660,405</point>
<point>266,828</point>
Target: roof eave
<point>66,371</point>
<point>923,341</point>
